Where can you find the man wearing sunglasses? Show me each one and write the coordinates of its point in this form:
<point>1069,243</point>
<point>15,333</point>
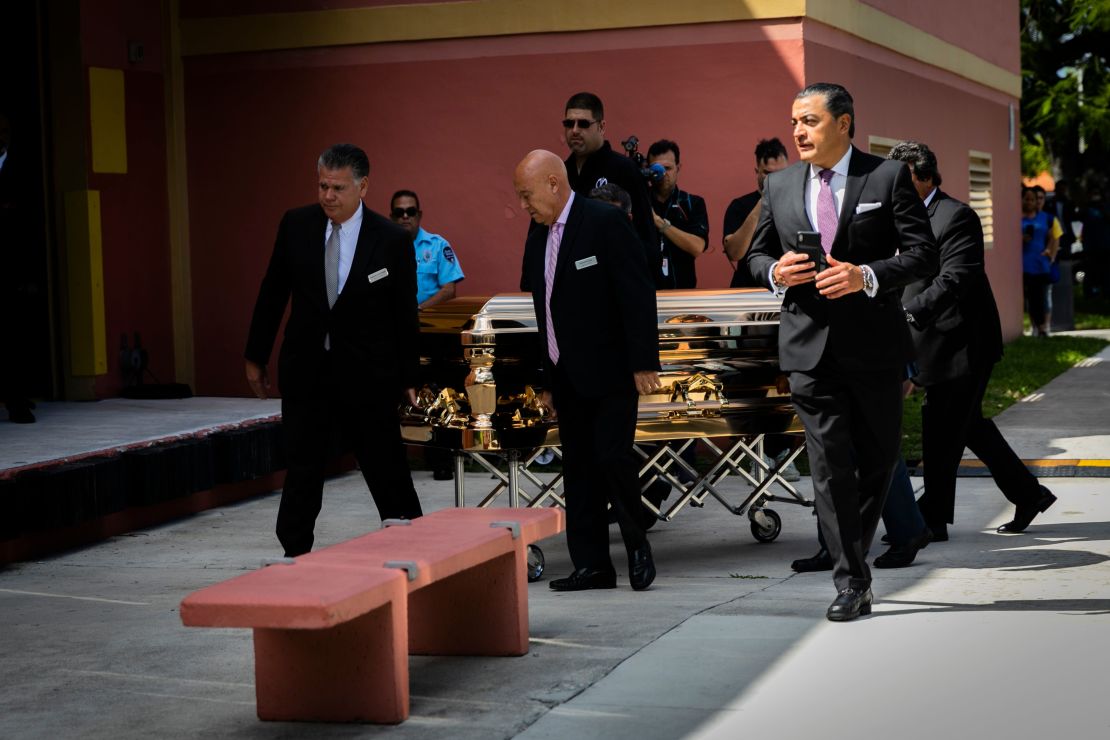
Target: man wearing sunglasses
<point>437,271</point>
<point>593,163</point>
<point>437,265</point>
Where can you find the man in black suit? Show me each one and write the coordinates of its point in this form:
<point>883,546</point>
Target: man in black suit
<point>350,344</point>
<point>18,271</point>
<point>596,316</point>
<point>742,214</point>
<point>592,163</point>
<point>842,333</point>
<point>956,332</point>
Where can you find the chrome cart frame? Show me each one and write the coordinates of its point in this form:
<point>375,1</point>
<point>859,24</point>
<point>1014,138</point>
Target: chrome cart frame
<point>525,488</point>
<point>720,383</point>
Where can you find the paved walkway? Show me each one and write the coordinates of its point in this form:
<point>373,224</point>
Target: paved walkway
<point>66,429</point>
<point>986,636</point>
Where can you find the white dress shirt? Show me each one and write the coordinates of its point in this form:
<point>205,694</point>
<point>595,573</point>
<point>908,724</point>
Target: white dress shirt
<point>838,183</point>
<point>348,240</point>
<point>565,213</point>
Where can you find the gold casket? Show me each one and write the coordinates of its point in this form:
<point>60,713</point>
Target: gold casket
<point>480,358</point>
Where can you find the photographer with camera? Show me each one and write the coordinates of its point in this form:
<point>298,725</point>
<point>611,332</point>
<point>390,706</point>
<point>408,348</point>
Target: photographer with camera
<point>593,163</point>
<point>680,218</point>
<point>742,213</point>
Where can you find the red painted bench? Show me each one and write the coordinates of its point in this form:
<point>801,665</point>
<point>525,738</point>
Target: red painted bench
<point>333,629</point>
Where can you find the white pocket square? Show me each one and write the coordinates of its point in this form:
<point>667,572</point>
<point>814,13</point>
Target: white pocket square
<point>865,207</point>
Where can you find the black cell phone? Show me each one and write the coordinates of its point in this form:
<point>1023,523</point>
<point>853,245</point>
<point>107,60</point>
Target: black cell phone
<point>1029,229</point>
<point>809,244</point>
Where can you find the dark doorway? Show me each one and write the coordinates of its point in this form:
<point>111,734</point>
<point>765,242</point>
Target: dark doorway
<point>26,367</point>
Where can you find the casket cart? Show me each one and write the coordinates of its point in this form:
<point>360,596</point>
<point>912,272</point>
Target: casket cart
<point>722,390</point>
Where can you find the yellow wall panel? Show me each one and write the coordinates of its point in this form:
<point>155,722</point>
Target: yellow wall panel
<point>106,120</point>
<point>85,277</point>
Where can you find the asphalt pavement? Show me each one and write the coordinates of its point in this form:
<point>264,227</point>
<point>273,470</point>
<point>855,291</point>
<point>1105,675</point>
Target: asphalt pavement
<point>984,636</point>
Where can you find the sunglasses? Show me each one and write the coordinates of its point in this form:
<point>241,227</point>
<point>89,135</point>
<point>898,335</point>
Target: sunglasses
<point>409,212</point>
<point>582,123</point>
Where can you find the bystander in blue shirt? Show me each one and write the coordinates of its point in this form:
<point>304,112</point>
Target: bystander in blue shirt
<point>436,264</point>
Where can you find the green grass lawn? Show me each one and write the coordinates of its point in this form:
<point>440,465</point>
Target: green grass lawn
<point>1028,364</point>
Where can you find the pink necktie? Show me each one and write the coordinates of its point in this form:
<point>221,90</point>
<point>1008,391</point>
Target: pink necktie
<point>554,239</point>
<point>826,211</point>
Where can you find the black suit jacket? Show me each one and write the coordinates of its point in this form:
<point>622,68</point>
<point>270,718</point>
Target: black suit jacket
<point>602,301</point>
<point>861,333</point>
<point>373,325</point>
<point>957,328</point>
<point>606,165</point>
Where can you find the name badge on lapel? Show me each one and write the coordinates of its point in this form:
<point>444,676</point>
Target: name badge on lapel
<point>376,276</point>
<point>582,264</point>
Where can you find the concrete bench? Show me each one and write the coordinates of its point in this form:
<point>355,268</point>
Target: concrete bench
<point>333,629</point>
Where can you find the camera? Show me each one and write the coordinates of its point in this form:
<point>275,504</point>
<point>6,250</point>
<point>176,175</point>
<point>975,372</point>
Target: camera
<point>654,173</point>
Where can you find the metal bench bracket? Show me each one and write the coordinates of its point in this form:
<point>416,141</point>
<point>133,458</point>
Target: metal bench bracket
<point>513,527</point>
<point>409,566</point>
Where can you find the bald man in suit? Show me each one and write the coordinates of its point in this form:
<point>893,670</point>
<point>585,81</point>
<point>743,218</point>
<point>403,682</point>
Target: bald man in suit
<point>595,310</point>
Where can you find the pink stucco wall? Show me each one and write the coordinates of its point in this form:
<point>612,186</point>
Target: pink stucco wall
<point>897,98</point>
<point>451,118</point>
<point>987,28</point>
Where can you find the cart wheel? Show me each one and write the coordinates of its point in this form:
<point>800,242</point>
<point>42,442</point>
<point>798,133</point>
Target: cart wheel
<point>535,563</point>
<point>766,525</point>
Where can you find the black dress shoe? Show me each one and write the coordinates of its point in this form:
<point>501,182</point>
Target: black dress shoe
<point>20,414</point>
<point>940,532</point>
<point>641,567</point>
<point>657,492</point>
<point>1025,514</point>
<point>443,474</point>
<point>584,579</point>
<point>849,604</point>
<point>821,561</point>
<point>899,556</point>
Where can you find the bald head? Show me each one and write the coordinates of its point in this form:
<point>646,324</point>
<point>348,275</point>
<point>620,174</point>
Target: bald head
<point>540,181</point>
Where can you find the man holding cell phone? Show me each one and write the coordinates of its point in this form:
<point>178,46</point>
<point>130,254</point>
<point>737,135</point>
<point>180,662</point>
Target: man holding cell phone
<point>843,337</point>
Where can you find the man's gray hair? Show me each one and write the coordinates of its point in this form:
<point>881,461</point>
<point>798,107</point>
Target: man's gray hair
<point>341,156</point>
<point>918,156</point>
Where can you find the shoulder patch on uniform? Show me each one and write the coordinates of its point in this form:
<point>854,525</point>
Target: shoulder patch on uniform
<point>448,254</point>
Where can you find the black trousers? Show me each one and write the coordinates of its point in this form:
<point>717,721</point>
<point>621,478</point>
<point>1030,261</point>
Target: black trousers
<point>1036,289</point>
<point>18,320</point>
<point>599,467</point>
<point>853,425</point>
<point>951,419</point>
<point>318,428</point>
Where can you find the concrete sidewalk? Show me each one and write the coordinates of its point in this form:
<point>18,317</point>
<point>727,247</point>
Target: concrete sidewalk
<point>985,636</point>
